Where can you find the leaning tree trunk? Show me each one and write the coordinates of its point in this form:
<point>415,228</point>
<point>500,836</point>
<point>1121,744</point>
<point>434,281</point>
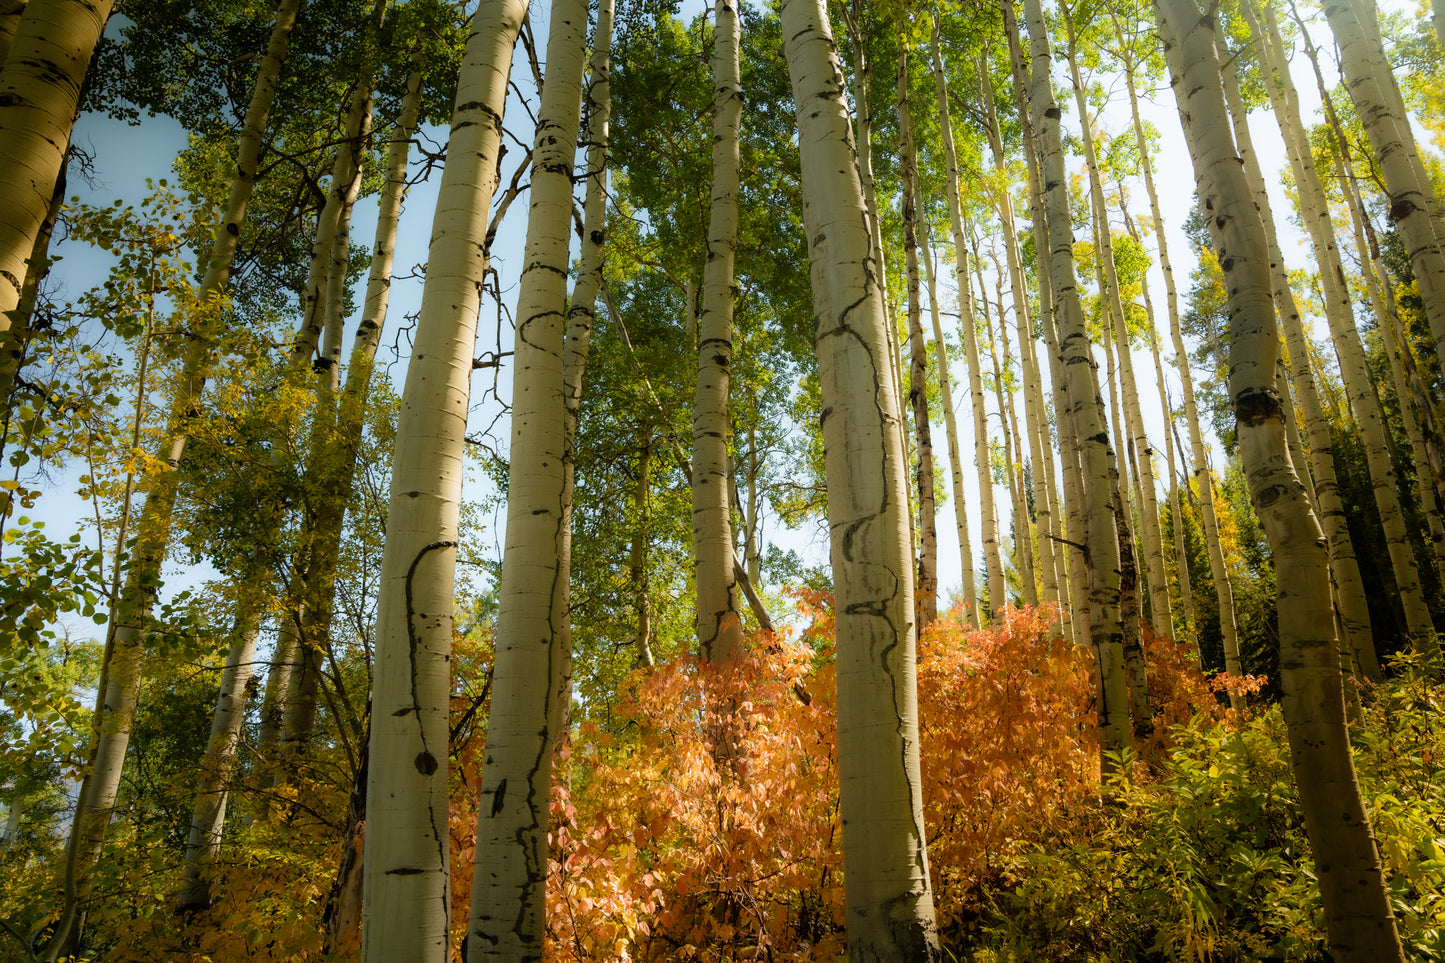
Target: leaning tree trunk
<point>1354,372</point>
<point>405,875</point>
<point>719,627</point>
<point>1350,602</point>
<point>219,760</point>
<point>885,856</point>
<point>1412,200</point>
<point>116,703</point>
<point>39,91</point>
<point>508,913</point>
<point>1358,918</point>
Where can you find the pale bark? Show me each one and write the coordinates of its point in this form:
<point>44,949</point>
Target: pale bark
<point>509,879</point>
<point>926,585</point>
<point>219,760</point>
<point>1339,313</point>
<point>1084,404</point>
<point>718,627</point>
<point>39,91</point>
<point>1070,524</point>
<point>1047,560</point>
<point>1358,917</point>
<point>1204,481</point>
<point>581,314</point>
<point>116,702</point>
<point>1140,451</point>
<point>945,384</point>
<point>890,903</point>
<point>1013,448</point>
<point>1412,200</point>
<point>993,561</point>
<point>405,875</point>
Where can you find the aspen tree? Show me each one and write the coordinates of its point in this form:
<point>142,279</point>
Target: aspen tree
<point>405,874</point>
<point>1415,414</point>
<point>39,93</point>
<point>1412,201</point>
<point>116,697</point>
<point>581,315</point>
<point>1013,446</point>
<point>1044,496</point>
<point>1072,518</point>
<point>1354,613</point>
<point>1140,452</point>
<point>1203,479</point>
<point>885,856</point>
<point>337,485</point>
<point>509,879</point>
<point>719,626</point>
<point>926,586</point>
<point>10,11</point>
<point>1416,411</point>
<point>219,760</point>
<point>1084,404</point>
<point>1358,918</point>
<point>1339,313</point>
<point>1184,625</point>
<point>970,582</point>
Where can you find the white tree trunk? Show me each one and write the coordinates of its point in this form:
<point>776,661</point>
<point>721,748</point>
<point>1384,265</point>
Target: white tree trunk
<point>509,879</point>
<point>718,622</point>
<point>1084,404</point>
<point>219,760</point>
<point>1357,909</point>
<point>405,876</point>
<point>39,93</point>
<point>890,902</point>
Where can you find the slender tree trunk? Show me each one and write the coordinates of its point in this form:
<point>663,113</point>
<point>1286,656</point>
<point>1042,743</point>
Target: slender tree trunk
<point>1219,571</point>
<point>220,757</point>
<point>1354,371</point>
<point>1358,918</point>
<point>117,700</point>
<point>405,872</point>
<point>637,560</point>
<point>719,627</point>
<point>1048,535</point>
<point>509,880</point>
<point>926,586</point>
<point>1013,450</point>
<point>1084,405</point>
<point>1140,451</point>
<point>945,381</point>
<point>890,902</point>
<point>581,315</point>
<point>1071,522</point>
<point>1407,186</point>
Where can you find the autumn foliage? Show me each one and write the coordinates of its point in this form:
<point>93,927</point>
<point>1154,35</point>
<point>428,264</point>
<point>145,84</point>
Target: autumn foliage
<point>665,846</point>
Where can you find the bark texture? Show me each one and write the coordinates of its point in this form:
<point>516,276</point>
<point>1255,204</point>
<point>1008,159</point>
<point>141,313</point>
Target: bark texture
<point>1358,918</point>
<point>890,902</point>
<point>405,876</point>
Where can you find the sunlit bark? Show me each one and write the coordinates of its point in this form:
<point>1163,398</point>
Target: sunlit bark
<point>889,897</point>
